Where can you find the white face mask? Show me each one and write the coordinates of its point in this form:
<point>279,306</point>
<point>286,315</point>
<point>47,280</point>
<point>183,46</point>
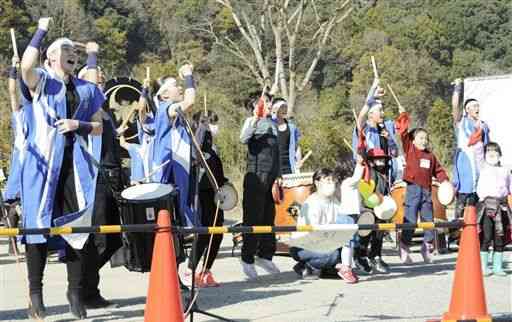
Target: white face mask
<point>327,189</point>
<point>214,129</point>
<point>492,159</point>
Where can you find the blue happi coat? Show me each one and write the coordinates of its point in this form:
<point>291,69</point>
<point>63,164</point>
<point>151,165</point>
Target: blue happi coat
<point>44,152</point>
<point>166,140</point>
<point>373,142</point>
<point>465,170</point>
<point>19,132</point>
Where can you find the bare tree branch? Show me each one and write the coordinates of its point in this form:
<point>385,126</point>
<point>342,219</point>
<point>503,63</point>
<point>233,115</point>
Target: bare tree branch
<point>321,45</point>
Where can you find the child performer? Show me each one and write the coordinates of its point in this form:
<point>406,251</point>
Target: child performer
<point>493,187</point>
<point>421,166</point>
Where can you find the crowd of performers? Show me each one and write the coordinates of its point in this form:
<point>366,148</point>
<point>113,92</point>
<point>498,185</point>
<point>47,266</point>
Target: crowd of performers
<point>66,170</point>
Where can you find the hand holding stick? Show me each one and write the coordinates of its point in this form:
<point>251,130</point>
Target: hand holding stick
<point>300,163</point>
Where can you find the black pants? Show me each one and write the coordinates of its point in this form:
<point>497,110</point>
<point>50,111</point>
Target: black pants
<point>36,255</point>
<point>259,210</point>
<point>208,209</point>
<point>65,201</point>
<point>374,240</point>
<point>489,237</point>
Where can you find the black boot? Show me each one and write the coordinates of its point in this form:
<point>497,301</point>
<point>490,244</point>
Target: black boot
<point>98,302</point>
<point>36,309</point>
<point>76,306</point>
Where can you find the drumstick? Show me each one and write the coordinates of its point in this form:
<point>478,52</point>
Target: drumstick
<point>146,178</point>
<point>307,156</point>
<point>79,44</point>
<point>148,72</point>
<point>205,109</point>
<point>394,96</point>
<point>348,145</point>
<point>374,65</point>
<point>355,118</point>
<point>14,45</point>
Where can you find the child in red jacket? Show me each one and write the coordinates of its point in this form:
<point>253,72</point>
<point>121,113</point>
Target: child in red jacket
<point>421,166</point>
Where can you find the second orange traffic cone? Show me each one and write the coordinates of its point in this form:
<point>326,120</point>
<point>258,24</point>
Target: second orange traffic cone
<point>163,303</point>
<point>468,294</point>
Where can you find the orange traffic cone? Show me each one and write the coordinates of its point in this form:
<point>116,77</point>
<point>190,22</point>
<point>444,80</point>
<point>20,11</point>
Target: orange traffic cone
<point>468,293</point>
<point>163,303</point>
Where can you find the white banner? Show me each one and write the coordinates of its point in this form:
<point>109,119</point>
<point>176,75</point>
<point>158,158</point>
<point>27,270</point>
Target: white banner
<point>494,95</point>
<point>325,238</point>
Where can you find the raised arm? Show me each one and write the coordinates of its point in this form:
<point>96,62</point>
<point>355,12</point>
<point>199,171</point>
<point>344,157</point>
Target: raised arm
<point>30,59</point>
<point>374,93</point>
<point>457,90</point>
<point>92,49</point>
<point>190,89</point>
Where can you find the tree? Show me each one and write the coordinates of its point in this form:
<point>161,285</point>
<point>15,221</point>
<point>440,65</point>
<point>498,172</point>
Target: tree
<point>298,31</point>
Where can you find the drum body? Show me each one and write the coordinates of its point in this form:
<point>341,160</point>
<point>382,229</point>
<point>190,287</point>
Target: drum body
<point>365,218</point>
<point>296,188</point>
<point>140,205</point>
<point>398,194</point>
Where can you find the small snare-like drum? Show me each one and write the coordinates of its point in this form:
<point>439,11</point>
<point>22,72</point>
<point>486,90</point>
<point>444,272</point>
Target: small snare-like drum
<point>140,204</point>
<point>365,218</point>
<point>296,189</point>
<point>398,194</point>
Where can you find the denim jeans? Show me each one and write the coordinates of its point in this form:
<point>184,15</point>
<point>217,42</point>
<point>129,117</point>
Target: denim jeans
<point>315,259</point>
<point>417,199</point>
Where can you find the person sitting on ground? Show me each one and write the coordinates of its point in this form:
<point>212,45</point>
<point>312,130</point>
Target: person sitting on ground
<point>322,208</point>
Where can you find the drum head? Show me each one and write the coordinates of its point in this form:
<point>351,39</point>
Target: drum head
<point>366,218</point>
<point>387,209</point>
<point>147,192</point>
<point>445,193</point>
<point>227,197</point>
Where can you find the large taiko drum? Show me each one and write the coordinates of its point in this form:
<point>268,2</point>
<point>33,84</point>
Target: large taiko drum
<point>296,189</point>
<point>141,204</point>
<point>398,194</point>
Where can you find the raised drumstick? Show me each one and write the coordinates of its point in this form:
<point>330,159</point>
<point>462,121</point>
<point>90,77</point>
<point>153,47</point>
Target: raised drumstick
<point>348,145</point>
<point>148,75</point>
<point>355,118</point>
<point>307,156</point>
<point>14,45</point>
<point>79,44</point>
<point>374,65</point>
<point>205,109</point>
<point>394,96</point>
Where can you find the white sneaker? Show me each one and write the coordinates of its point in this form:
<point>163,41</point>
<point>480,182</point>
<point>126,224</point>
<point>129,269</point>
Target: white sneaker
<point>426,252</point>
<point>249,270</point>
<point>267,265</point>
<point>405,253</point>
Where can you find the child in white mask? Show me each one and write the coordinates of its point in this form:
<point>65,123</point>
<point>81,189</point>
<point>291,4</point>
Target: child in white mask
<point>322,208</point>
<point>494,188</point>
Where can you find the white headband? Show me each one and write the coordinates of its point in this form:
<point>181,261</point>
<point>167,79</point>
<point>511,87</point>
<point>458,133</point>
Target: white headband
<point>169,82</point>
<point>277,106</point>
<point>57,44</point>
<point>375,106</point>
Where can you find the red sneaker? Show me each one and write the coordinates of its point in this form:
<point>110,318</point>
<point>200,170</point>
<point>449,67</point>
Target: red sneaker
<point>209,281</point>
<point>347,275</point>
